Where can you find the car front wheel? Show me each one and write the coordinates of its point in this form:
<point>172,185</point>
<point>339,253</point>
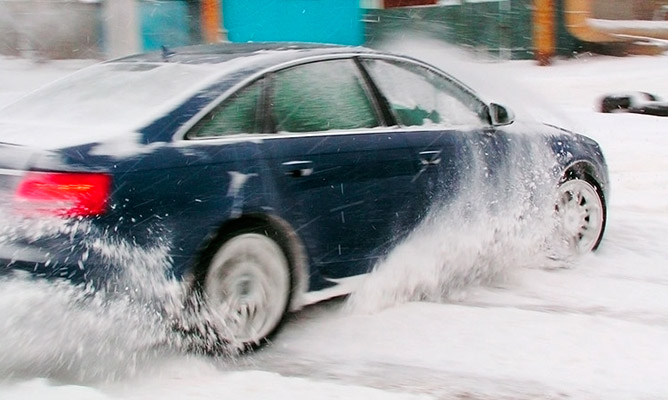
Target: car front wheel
<point>580,211</point>
<point>247,284</point>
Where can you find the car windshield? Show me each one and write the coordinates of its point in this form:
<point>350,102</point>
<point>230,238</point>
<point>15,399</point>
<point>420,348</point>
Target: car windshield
<point>109,95</point>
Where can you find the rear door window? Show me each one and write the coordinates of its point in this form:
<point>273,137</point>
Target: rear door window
<point>321,96</point>
<point>238,114</point>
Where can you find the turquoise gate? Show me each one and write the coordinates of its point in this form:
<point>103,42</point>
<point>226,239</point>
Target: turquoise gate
<point>322,21</point>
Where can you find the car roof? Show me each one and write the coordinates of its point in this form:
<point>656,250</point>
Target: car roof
<point>267,53</point>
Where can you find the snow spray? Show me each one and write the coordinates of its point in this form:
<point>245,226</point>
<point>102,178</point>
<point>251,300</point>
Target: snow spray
<point>501,219</point>
<point>57,329</point>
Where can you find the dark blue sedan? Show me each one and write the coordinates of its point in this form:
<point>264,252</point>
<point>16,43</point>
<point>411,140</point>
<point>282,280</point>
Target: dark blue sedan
<point>265,173</point>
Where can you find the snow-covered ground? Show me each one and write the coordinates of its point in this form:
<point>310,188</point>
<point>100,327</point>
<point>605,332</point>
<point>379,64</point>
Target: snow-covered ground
<point>595,330</point>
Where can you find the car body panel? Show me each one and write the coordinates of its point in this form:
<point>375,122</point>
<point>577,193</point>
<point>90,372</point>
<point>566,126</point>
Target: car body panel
<point>354,182</point>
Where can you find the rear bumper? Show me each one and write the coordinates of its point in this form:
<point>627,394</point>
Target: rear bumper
<point>83,252</point>
<point>55,248</point>
<point>54,258</point>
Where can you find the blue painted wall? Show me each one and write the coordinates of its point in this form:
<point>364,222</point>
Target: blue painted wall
<point>321,21</point>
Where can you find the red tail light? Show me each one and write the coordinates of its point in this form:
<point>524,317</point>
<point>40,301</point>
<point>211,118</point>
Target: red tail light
<point>64,194</point>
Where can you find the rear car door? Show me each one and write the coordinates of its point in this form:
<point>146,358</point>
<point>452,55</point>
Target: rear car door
<point>341,178</point>
<point>223,174</point>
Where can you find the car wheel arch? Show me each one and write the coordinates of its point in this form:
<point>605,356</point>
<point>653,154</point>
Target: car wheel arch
<point>585,171</point>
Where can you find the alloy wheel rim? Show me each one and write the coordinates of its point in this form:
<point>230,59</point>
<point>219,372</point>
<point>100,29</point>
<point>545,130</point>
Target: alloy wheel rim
<point>580,213</point>
<point>247,285</point>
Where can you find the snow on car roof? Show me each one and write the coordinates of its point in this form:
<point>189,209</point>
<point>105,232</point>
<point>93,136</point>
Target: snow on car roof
<point>219,53</point>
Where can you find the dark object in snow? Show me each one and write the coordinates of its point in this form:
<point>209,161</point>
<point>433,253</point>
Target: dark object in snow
<point>166,53</point>
<point>635,102</point>
<point>657,108</point>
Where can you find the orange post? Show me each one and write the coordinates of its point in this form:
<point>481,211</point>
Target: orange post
<point>544,37</point>
<point>211,26</point>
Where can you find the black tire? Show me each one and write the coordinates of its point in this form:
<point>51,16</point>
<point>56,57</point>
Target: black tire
<point>245,283</point>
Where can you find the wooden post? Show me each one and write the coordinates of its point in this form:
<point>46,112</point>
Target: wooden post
<point>211,21</point>
<point>544,38</point>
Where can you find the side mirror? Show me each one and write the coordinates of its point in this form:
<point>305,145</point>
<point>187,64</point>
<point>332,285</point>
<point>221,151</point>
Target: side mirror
<point>500,115</point>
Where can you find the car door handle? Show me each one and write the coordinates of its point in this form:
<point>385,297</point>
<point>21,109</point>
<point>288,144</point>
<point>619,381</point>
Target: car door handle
<point>298,169</point>
<point>430,157</point>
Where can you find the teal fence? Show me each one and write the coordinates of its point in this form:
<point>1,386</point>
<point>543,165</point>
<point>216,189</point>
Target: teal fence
<point>500,28</point>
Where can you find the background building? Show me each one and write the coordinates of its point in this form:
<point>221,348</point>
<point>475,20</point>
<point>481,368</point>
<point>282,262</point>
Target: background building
<point>499,28</point>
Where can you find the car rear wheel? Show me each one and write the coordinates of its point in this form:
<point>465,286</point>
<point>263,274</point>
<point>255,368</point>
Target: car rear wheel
<point>247,284</point>
<point>581,215</point>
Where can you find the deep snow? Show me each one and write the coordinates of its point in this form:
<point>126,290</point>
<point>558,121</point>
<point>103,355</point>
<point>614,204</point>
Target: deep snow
<point>593,329</point>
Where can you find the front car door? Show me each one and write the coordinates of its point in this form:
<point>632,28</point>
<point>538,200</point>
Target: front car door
<point>442,121</point>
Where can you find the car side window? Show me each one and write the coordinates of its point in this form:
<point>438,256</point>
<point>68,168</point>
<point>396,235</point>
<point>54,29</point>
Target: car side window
<point>237,114</point>
<point>419,97</point>
<point>321,96</point>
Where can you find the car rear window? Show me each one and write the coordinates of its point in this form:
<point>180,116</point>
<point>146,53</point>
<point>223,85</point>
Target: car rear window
<point>115,94</point>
